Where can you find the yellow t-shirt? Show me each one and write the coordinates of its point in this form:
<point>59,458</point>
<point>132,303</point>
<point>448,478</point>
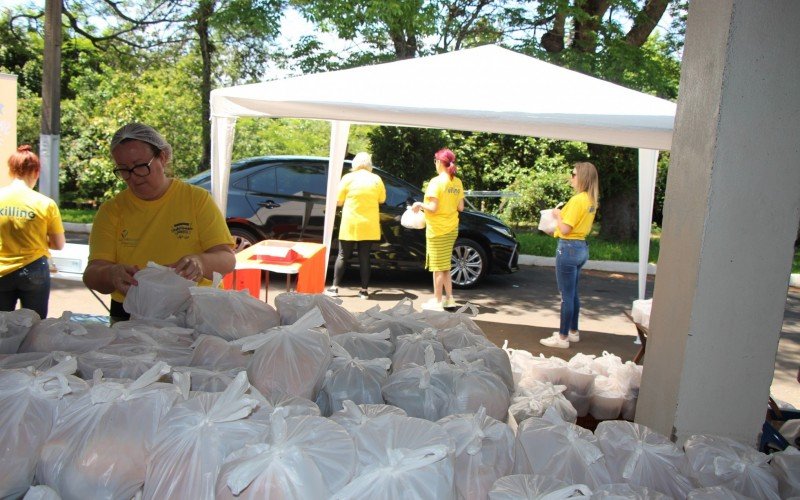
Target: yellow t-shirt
<point>361,192</point>
<point>448,192</point>
<point>578,213</point>
<point>132,231</point>
<point>26,218</point>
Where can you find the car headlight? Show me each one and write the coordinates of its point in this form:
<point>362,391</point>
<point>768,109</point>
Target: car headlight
<point>502,230</point>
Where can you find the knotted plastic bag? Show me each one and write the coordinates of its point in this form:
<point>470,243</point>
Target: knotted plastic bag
<point>550,446</point>
<point>410,349</point>
<point>352,416</point>
<point>402,457</point>
<point>228,314</point>
<point>418,392</point>
<point>484,451</point>
<point>14,326</point>
<point>297,458</point>
<point>721,461</point>
<point>525,486</point>
<point>215,353</point>
<point>29,403</point>
<point>63,334</point>
<point>292,358</point>
<point>639,456</point>
<point>292,306</point>
<point>160,293</point>
<point>494,358</point>
<point>98,446</point>
<point>194,438</point>
<point>352,379</point>
<point>366,345</point>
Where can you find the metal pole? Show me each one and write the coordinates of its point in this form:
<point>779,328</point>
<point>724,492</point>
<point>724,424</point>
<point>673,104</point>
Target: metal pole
<point>49,138</point>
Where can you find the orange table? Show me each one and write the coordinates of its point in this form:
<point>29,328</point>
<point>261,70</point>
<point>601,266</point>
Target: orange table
<point>308,263</point>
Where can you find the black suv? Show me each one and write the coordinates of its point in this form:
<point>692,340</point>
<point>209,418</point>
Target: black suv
<point>283,197</point>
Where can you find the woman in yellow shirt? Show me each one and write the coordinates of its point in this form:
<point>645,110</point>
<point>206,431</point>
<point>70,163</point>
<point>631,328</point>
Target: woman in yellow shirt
<point>360,193</point>
<point>156,218</point>
<point>444,199</point>
<point>574,222</point>
<point>30,224</point>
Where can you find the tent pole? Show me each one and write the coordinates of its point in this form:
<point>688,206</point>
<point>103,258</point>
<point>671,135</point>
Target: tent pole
<point>648,161</point>
<point>340,131</point>
<point>222,131</point>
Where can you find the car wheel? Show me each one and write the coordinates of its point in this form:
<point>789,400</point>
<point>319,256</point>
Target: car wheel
<point>242,238</point>
<point>469,264</point>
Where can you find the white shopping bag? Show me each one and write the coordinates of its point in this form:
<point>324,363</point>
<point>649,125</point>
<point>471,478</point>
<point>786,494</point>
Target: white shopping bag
<point>413,220</point>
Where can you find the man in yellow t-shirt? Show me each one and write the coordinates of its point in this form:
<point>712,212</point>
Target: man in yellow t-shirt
<point>360,193</point>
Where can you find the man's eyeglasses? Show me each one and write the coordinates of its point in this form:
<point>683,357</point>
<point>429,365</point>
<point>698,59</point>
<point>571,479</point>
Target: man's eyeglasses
<point>140,170</point>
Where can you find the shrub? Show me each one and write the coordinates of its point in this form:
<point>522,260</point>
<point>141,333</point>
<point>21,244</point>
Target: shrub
<point>537,192</point>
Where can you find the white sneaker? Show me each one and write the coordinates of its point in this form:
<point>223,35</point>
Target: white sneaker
<point>432,305</point>
<point>449,303</point>
<point>574,337</point>
<point>555,341</point>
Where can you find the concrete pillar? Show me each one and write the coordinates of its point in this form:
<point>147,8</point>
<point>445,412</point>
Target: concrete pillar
<point>730,220</point>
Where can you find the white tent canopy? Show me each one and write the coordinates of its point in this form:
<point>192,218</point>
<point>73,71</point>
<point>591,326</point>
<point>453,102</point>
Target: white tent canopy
<point>486,89</point>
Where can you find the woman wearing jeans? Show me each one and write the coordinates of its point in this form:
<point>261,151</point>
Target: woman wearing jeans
<point>574,222</point>
<point>30,224</point>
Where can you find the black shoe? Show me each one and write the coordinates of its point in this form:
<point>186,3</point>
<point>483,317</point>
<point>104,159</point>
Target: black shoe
<point>363,294</point>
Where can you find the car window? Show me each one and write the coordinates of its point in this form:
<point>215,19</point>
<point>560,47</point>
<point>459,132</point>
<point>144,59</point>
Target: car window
<point>262,181</point>
<point>304,178</point>
<point>398,192</point>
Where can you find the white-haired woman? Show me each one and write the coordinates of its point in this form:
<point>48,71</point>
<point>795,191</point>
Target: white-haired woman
<point>157,218</point>
<point>360,193</point>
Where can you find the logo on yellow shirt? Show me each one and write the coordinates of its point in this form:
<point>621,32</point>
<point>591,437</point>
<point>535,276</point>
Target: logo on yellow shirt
<point>183,230</point>
<point>17,213</point>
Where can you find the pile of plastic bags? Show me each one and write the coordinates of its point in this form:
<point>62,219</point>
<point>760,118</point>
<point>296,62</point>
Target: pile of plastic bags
<point>311,401</point>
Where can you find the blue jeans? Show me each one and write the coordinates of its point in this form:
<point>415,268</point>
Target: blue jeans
<point>30,285</point>
<point>571,255</point>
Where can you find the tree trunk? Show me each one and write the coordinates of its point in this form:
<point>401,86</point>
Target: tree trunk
<point>205,10</point>
<point>646,22</point>
<point>620,217</point>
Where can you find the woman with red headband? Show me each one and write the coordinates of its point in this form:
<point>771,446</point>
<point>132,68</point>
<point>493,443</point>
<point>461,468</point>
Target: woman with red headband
<point>444,199</point>
<point>30,225</point>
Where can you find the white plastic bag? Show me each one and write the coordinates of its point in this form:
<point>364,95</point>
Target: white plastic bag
<point>160,293</point>
<point>300,457</point>
<point>618,491</point>
<point>786,466</point>
<point>208,380</point>
<point>494,358</point>
<point>117,364</point>
<point>484,452</point>
<point>534,399</point>
<point>352,379</point>
<point>639,456</point>
<point>29,402</point>
<point>526,486</point>
<point>292,359</point>
<point>194,438</point>
<point>63,334</point>
<point>398,320</point>
<point>550,446</point>
<point>228,314</point>
<point>366,345</point>
<point>14,326</point>
<point>292,306</point>
<point>721,461</point>
<point>547,221</point>
<point>98,446</point>
<point>413,220</point>
<point>399,458</point>
<point>352,416</point>
<point>418,392</point>
<point>475,386</point>
<point>41,493</point>
<point>214,353</point>
<point>410,349</point>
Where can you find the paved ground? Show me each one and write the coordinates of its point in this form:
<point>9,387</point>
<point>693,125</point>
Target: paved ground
<point>521,308</point>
